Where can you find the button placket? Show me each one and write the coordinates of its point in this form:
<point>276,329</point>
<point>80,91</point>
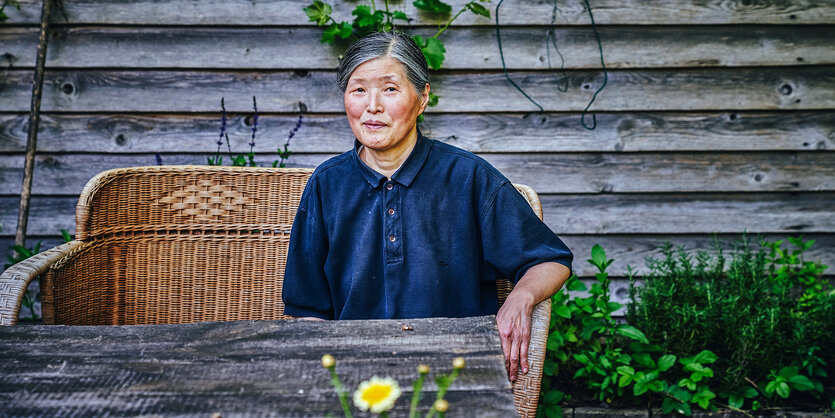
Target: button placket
<point>391,222</point>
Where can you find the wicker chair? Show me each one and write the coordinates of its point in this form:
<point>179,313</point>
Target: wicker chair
<point>180,244</point>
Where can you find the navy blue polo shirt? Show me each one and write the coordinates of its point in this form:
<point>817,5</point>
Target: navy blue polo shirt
<point>429,242</point>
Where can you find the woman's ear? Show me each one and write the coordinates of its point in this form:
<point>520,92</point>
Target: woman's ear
<point>424,98</point>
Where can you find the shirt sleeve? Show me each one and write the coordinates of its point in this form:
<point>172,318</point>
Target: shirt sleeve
<point>514,239</point>
<point>306,291</point>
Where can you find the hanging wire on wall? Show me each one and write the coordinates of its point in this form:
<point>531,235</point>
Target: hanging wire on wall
<point>504,67</point>
<point>551,38</point>
<point>605,74</point>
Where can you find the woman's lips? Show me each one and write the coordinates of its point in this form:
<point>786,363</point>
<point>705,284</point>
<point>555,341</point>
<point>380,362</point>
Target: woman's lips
<point>374,125</point>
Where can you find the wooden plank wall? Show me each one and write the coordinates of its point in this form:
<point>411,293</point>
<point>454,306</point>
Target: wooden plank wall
<point>717,116</point>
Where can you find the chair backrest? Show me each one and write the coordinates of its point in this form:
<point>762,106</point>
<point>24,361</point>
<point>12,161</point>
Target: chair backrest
<point>177,244</point>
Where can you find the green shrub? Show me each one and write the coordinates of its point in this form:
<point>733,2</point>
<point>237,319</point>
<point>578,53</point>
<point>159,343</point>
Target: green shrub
<point>767,312</point>
<point>751,329</point>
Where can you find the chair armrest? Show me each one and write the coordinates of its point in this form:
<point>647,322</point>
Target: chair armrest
<point>527,385</point>
<point>15,280</point>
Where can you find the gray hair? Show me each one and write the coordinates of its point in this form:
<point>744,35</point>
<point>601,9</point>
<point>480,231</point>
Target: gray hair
<point>385,44</point>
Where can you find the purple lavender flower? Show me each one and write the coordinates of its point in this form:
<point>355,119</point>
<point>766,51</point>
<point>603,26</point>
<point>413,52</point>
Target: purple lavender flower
<point>254,123</point>
<point>222,124</point>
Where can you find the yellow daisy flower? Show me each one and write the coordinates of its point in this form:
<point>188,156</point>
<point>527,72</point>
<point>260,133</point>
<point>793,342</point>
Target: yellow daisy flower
<point>377,394</point>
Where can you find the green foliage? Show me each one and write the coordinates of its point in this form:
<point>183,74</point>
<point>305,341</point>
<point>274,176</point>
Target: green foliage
<point>368,19</point>
<point>767,310</point>
<point>13,3</point>
<point>686,311</point>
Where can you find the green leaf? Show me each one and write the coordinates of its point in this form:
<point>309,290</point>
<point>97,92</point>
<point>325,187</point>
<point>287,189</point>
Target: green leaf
<point>598,255</point>
<point>342,30</point>
<point>582,358</point>
<point>643,359</point>
<point>575,285</point>
<point>626,370</point>
<point>750,393</point>
<point>665,362</point>
<point>553,397</point>
<point>66,235</point>
<point>23,251</point>
<point>801,383</point>
<point>365,17</point>
<point>319,12</point>
<point>631,332</point>
<point>553,411</point>
<point>624,380</point>
<point>432,49</point>
<point>563,311</point>
<point>399,16</point>
<point>736,401</point>
<point>478,9</point>
<point>434,6</point>
<point>783,390</point>
<point>689,384</point>
<point>433,99</point>
<point>613,306</point>
<point>706,357</point>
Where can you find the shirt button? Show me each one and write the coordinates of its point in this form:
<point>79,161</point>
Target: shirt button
<point>392,238</point>
<point>391,211</point>
<point>389,186</point>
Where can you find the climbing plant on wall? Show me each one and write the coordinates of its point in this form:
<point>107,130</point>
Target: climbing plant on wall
<point>367,19</point>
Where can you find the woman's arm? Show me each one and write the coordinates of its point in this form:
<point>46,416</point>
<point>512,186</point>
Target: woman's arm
<point>514,318</point>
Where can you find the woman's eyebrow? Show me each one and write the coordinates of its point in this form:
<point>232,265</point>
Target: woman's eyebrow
<point>384,77</point>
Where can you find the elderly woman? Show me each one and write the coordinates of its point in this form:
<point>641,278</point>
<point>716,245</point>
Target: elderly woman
<point>403,226</point>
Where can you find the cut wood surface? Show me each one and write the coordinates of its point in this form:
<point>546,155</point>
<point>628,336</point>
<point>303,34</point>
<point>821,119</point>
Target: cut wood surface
<point>626,250</point>
<point>481,133</point>
<point>523,12</point>
<point>466,48</point>
<point>244,367</point>
<point>703,213</point>
<point>66,174</point>
<point>645,90</point>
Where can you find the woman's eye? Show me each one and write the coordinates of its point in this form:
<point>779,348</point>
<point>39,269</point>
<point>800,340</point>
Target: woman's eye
<point>359,90</point>
<point>391,89</point>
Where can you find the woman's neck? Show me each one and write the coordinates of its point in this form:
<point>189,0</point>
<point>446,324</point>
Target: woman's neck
<point>387,162</point>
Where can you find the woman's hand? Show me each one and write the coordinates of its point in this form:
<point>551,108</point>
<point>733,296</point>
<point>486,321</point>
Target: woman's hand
<point>514,323</point>
<point>514,318</point>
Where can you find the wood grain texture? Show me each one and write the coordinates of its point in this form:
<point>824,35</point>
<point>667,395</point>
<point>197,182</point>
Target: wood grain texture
<point>702,213</point>
<point>791,88</point>
<point>466,48</point>
<point>523,12</point>
<point>66,174</point>
<point>626,250</point>
<point>481,133</point>
<point>690,213</point>
<point>253,367</point>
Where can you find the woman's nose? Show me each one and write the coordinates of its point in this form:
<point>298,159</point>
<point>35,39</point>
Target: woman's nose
<point>375,105</point>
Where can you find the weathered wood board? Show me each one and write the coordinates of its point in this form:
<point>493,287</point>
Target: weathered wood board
<point>66,174</point>
<point>524,48</point>
<point>702,213</point>
<point>523,12</point>
<point>792,88</point>
<point>480,133</point>
<point>243,367</point>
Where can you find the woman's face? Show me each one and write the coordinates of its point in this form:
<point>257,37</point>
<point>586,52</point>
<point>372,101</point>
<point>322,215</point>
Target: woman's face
<point>382,105</point>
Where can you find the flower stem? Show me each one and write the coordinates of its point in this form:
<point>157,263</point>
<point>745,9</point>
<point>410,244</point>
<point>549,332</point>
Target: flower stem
<point>343,396</point>
<point>416,395</point>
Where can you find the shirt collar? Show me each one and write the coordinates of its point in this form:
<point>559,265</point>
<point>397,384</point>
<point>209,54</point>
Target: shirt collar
<point>406,173</point>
